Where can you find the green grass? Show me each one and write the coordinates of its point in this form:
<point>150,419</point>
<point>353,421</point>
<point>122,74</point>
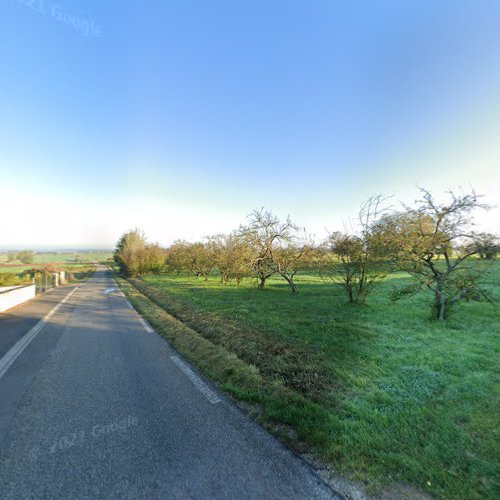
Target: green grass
<point>383,392</point>
<point>15,269</point>
<point>16,275</point>
<point>40,259</point>
<point>66,261</point>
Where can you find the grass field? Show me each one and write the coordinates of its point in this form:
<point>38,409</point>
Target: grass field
<point>79,265</point>
<point>67,260</point>
<point>384,393</point>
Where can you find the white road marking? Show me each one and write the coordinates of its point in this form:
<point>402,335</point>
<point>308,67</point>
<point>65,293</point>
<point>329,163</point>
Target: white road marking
<point>199,384</point>
<point>146,326</point>
<point>15,352</point>
<point>109,290</point>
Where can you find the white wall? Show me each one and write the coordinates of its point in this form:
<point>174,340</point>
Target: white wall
<point>7,288</point>
<point>13,296</point>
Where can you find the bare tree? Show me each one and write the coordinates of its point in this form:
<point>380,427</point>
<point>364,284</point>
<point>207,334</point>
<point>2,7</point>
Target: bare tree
<point>432,242</point>
<point>289,259</point>
<point>359,262</point>
<point>487,245</point>
<point>261,234</point>
<point>274,247</point>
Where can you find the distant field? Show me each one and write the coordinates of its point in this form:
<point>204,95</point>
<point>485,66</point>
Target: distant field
<point>40,259</point>
<point>383,392</point>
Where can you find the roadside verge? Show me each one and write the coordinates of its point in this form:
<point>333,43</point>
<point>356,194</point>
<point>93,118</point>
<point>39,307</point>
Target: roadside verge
<point>297,421</point>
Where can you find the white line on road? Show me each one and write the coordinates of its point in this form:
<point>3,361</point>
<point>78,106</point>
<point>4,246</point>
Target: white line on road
<point>15,352</point>
<point>200,385</point>
<point>146,326</point>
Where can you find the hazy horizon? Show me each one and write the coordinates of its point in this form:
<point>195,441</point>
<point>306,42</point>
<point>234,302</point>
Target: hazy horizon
<point>58,249</point>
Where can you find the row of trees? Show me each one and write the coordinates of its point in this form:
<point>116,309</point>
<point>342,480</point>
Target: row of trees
<point>25,256</point>
<point>434,243</point>
<point>264,247</point>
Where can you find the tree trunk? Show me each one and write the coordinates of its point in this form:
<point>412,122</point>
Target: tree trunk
<point>293,286</point>
<point>262,282</point>
<point>441,303</point>
<point>442,309</point>
<point>350,294</point>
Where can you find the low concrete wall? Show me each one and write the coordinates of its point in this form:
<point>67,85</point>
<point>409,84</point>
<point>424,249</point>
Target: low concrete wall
<point>12,296</point>
<point>7,288</point>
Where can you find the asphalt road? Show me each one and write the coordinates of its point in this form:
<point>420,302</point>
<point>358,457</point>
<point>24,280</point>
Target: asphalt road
<point>98,406</point>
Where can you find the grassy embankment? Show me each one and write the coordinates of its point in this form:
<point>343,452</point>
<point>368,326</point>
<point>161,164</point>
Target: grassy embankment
<point>384,393</point>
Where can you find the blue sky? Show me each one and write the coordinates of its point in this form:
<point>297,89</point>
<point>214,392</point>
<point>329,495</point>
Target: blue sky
<point>181,117</point>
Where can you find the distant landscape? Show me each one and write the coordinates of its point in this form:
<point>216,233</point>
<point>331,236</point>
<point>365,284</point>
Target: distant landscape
<point>22,266</point>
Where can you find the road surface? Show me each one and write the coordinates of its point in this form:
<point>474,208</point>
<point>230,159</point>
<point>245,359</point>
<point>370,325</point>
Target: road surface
<point>98,406</point>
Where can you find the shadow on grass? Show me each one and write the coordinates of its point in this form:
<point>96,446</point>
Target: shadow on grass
<point>299,341</point>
